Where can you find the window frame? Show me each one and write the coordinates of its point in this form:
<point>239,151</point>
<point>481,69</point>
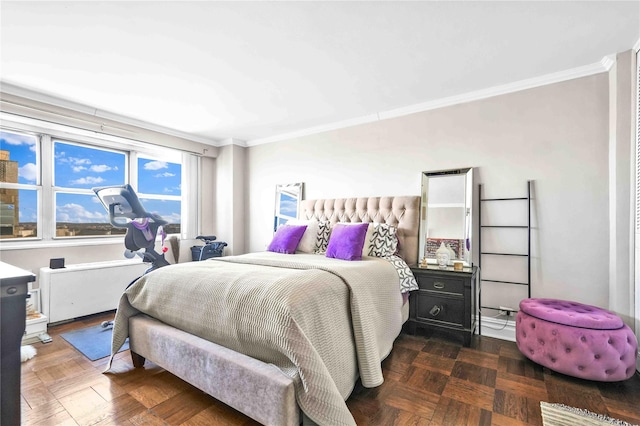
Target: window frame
<point>151,196</point>
<point>47,133</point>
<point>37,186</point>
<point>57,189</point>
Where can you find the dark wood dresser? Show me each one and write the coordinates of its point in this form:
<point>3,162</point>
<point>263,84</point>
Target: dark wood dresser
<point>445,302</point>
<point>14,283</point>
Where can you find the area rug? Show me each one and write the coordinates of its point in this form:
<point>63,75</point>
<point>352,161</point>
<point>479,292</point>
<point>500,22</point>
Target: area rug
<point>563,415</point>
<point>94,342</point>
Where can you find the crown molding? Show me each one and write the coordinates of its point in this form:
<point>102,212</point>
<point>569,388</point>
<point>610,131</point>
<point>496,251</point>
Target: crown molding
<point>315,130</point>
<point>33,95</point>
<point>587,70</point>
<point>233,141</point>
<point>603,66</point>
<point>608,62</point>
<point>500,90</point>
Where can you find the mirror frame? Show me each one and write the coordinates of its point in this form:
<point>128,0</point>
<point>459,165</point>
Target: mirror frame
<point>468,211</point>
<point>283,211</point>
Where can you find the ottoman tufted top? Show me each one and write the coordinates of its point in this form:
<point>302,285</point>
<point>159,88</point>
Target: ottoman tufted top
<point>571,313</point>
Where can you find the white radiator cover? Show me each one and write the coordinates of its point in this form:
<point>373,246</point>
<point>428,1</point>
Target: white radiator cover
<point>86,288</point>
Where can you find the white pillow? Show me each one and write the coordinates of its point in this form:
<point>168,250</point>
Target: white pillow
<point>315,237</point>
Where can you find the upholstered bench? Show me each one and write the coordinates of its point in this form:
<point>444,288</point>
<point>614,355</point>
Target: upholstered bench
<point>575,339</point>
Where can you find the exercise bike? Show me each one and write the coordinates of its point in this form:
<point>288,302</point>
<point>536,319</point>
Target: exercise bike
<point>126,211</point>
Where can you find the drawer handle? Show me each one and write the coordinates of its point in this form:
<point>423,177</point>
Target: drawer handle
<point>438,284</point>
<point>435,311</point>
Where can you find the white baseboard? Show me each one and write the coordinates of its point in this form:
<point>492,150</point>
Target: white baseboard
<point>498,328</point>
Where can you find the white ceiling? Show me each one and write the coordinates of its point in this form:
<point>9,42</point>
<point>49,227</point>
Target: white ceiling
<point>255,71</point>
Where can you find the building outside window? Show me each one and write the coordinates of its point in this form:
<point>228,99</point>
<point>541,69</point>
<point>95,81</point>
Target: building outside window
<point>19,185</point>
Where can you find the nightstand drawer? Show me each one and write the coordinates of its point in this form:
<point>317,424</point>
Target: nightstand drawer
<point>440,283</point>
<point>440,308</point>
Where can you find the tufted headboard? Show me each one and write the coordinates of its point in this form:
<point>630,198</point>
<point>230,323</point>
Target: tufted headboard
<point>402,212</point>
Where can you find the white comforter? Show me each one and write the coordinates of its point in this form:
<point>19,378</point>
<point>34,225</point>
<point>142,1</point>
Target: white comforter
<point>323,321</point>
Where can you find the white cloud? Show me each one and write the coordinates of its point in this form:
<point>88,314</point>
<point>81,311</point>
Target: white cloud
<point>289,207</point>
<point>88,180</point>
<point>28,216</point>
<point>101,168</point>
<point>172,217</point>
<point>79,161</point>
<point>17,139</point>
<point>75,213</point>
<point>165,174</point>
<point>29,172</point>
<point>77,169</point>
<point>73,161</point>
<point>155,165</point>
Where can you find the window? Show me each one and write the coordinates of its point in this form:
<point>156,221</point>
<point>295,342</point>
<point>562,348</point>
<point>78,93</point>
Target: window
<point>46,183</point>
<point>160,190</point>
<point>77,169</point>
<point>19,184</point>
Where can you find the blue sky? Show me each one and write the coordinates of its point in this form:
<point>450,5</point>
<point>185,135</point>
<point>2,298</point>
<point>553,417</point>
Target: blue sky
<point>288,205</point>
<point>83,167</point>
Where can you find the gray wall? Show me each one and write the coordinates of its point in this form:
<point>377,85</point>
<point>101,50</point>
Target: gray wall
<point>556,135</point>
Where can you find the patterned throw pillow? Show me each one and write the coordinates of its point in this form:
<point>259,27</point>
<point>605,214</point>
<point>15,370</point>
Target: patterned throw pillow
<point>407,279</point>
<point>324,231</point>
<point>315,237</point>
<point>384,241</point>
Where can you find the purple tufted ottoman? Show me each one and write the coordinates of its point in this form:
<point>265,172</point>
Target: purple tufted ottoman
<point>575,339</point>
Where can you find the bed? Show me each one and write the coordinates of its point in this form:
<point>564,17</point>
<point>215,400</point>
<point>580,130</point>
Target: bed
<point>283,338</point>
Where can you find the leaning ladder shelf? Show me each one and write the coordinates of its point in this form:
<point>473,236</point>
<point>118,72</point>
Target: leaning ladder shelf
<point>481,280</point>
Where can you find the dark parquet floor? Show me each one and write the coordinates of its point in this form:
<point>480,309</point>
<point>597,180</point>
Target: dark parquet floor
<point>428,381</point>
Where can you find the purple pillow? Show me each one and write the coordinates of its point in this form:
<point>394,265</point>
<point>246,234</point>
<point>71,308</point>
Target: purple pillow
<point>346,241</point>
<point>286,239</point>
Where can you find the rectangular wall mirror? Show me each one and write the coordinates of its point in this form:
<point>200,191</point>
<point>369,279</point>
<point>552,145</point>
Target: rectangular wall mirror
<point>288,198</point>
<point>446,214</point>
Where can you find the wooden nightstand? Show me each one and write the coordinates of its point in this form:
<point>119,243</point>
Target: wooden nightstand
<point>446,301</point>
